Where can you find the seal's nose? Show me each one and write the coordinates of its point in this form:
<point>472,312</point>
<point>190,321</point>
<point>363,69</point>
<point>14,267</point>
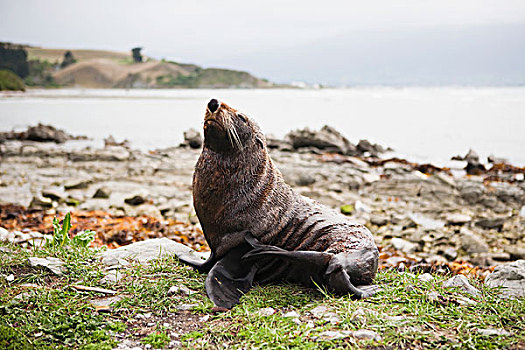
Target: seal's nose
<point>213,105</point>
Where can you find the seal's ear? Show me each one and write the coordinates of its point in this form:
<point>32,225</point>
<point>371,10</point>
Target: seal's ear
<point>259,141</point>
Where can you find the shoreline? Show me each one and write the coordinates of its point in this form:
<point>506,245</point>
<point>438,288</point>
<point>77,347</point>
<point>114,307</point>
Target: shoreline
<point>417,219</point>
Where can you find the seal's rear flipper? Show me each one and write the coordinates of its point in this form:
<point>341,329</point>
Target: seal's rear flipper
<point>330,269</point>
<point>230,278</point>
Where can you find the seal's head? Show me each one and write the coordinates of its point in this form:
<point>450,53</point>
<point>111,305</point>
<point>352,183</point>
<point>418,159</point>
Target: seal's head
<point>228,131</point>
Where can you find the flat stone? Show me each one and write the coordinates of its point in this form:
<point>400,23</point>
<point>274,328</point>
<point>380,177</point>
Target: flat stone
<point>515,252</point>
<point>102,192</point>
<point>185,307</point>
<point>77,184</point>
<point>319,311</point>
<point>426,277</point>
<point>179,290</point>
<point>366,334</point>
<point>491,332</point>
<point>331,335</point>
<point>426,222</point>
<point>111,277</point>
<point>291,314</point>
<point>403,245</point>
<point>509,276</point>
<point>150,249</point>
<point>55,265</point>
<point>457,219</point>
<point>53,194</point>
<point>491,223</point>
<point>267,311</point>
<point>107,302</point>
<point>41,202</point>
<point>460,281</point>
<point>135,200</point>
<point>378,220</point>
<point>472,243</point>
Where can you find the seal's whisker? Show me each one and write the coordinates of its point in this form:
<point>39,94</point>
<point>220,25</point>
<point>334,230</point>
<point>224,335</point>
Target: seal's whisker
<point>236,137</point>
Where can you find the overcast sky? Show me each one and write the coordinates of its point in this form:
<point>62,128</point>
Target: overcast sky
<point>251,35</point>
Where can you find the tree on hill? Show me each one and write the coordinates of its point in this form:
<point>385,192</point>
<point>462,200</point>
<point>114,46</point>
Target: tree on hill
<point>69,59</point>
<point>14,58</point>
<point>137,57</point>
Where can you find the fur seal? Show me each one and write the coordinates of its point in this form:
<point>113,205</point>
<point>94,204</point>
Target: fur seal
<point>259,230</point>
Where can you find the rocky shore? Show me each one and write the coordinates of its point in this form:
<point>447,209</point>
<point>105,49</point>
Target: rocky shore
<point>421,215</point>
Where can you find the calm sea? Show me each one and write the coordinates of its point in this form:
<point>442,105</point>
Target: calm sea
<point>422,124</point>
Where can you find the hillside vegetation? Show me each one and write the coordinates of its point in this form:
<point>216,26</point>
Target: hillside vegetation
<point>10,81</point>
<point>107,69</point>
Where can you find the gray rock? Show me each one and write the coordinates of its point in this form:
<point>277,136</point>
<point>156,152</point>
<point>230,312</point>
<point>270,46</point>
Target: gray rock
<point>150,249</point>
<point>366,334</point>
<point>332,335</point>
<point>472,192</point>
<point>291,314</point>
<point>102,192</point>
<point>186,307</point>
<point>135,200</point>
<point>41,202</point>
<point>378,220</point>
<point>426,277</point>
<point>522,212</point>
<point>6,236</point>
<point>53,194</point>
<point>267,311</point>
<point>182,289</point>
<point>515,252</point>
<point>111,277</point>
<point>510,276</point>
<point>319,311</point>
<point>491,332</point>
<point>491,223</point>
<point>508,193</point>
<point>77,184</point>
<point>460,281</point>
<point>327,139</point>
<point>457,219</point>
<point>193,138</point>
<point>403,245</point>
<point>54,265</point>
<point>426,222</point>
<point>450,253</point>
<point>472,243</point>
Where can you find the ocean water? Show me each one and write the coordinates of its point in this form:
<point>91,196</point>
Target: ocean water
<point>421,124</point>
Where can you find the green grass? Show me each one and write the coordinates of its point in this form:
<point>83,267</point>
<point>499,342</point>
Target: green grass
<point>10,81</point>
<point>54,315</point>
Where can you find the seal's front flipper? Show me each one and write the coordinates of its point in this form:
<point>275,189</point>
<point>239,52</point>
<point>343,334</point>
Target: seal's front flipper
<point>230,278</point>
<point>197,263</point>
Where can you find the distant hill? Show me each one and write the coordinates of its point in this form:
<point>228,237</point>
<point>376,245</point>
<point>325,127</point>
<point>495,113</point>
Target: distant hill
<point>108,69</point>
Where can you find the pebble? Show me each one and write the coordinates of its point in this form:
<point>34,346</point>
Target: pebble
<point>267,311</point>
<point>403,245</point>
<point>367,334</point>
<point>179,289</point>
<point>53,264</point>
<point>460,281</point>
<point>426,277</point>
<point>291,314</point>
<point>493,332</point>
<point>185,307</point>
<point>111,277</point>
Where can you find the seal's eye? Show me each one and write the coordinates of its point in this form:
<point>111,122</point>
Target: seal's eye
<point>243,118</point>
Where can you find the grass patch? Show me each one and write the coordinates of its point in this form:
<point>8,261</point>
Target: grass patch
<point>10,81</point>
<point>48,313</point>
